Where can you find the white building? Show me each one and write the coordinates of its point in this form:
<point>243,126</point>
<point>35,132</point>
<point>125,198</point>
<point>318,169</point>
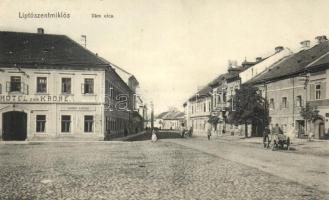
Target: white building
<point>51,87</point>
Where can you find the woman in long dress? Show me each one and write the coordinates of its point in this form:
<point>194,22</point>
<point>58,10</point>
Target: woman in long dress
<point>154,136</point>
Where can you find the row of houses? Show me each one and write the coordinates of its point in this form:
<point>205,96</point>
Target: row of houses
<point>287,80</point>
<point>51,87</point>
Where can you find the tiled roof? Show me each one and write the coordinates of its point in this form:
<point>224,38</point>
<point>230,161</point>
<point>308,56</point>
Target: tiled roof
<point>174,115</point>
<point>161,115</point>
<point>323,61</point>
<point>295,63</point>
<point>32,49</point>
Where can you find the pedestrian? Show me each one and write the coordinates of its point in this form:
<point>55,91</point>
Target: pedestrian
<point>277,129</point>
<point>183,132</point>
<point>266,138</point>
<point>191,131</point>
<point>209,133</point>
<point>154,136</point>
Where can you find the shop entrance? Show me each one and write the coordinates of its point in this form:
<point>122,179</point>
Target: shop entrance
<point>14,125</point>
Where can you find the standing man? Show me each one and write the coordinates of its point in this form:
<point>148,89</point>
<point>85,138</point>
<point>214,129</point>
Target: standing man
<point>277,129</point>
<point>209,133</point>
<point>266,137</point>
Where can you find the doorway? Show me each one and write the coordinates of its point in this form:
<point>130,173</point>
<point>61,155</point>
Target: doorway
<point>14,125</point>
<point>319,129</point>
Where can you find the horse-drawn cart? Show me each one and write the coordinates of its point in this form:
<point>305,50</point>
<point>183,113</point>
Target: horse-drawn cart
<point>279,141</point>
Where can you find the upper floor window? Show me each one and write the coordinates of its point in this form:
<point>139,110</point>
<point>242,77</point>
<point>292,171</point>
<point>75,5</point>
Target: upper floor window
<point>224,97</point>
<point>299,101</point>
<point>66,85</point>
<point>41,85</point>
<point>284,102</point>
<point>15,84</point>
<point>318,91</point>
<point>88,86</point>
<point>271,103</point>
<point>0,88</point>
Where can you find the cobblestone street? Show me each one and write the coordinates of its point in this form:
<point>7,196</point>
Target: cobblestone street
<point>135,170</point>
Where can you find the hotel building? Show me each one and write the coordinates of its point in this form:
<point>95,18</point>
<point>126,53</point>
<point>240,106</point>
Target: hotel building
<point>53,88</point>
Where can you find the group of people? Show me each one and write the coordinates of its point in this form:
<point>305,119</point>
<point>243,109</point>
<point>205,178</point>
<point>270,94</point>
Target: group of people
<point>184,131</point>
<point>275,130</point>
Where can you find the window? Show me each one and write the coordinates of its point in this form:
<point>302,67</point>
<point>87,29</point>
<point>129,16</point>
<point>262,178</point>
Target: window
<point>0,89</point>
<point>318,91</point>
<point>66,123</point>
<point>89,121</point>
<point>271,103</point>
<point>204,107</point>
<point>41,85</point>
<point>66,85</point>
<point>299,101</point>
<point>107,123</point>
<point>15,84</point>
<point>40,123</point>
<point>88,86</point>
<point>284,102</point>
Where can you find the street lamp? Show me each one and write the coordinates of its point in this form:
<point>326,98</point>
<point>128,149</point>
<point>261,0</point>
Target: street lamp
<point>306,79</point>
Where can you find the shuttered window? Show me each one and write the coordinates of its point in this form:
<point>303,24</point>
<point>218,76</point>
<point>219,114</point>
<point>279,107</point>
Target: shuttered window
<point>318,91</point>
<point>323,90</point>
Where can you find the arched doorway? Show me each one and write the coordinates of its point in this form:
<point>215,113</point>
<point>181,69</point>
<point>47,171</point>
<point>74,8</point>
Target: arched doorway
<point>14,125</point>
<point>319,129</point>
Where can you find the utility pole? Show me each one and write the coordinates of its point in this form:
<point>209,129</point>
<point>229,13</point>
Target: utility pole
<point>152,115</point>
<point>306,79</point>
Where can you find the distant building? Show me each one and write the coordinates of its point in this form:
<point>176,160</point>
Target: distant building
<point>198,111</point>
<point>51,87</point>
<point>170,120</point>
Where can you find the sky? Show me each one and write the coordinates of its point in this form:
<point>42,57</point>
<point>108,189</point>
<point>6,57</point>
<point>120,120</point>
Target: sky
<point>174,47</point>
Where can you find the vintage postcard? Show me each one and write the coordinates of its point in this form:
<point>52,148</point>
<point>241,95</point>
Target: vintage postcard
<point>172,99</point>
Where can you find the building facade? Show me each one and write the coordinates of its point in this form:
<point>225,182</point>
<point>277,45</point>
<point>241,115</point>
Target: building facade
<point>53,88</point>
<point>290,85</point>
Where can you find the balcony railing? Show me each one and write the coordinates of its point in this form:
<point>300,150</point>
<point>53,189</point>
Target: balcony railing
<point>20,87</point>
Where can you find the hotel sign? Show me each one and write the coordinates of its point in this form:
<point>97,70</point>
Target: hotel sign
<point>34,98</point>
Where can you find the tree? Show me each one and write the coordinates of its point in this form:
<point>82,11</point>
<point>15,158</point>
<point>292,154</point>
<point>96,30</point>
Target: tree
<point>213,120</point>
<point>248,106</point>
<point>309,113</point>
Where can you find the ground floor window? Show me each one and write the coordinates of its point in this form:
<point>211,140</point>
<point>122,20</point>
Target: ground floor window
<point>40,123</point>
<point>89,122</point>
<point>66,123</point>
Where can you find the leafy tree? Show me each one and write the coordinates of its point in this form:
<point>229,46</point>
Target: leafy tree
<point>248,106</point>
<point>309,113</point>
<point>213,120</point>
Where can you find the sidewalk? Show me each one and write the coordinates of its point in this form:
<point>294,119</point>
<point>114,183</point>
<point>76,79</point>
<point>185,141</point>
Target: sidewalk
<point>309,170</point>
<point>71,139</point>
<point>300,146</point>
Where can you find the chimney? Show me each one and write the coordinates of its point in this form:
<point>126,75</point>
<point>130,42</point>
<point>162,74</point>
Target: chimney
<point>321,38</point>
<point>278,49</point>
<point>258,59</point>
<point>305,44</point>
<point>40,31</point>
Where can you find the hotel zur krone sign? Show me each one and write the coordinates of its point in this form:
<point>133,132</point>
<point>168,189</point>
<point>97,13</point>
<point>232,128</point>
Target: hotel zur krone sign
<point>34,98</point>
